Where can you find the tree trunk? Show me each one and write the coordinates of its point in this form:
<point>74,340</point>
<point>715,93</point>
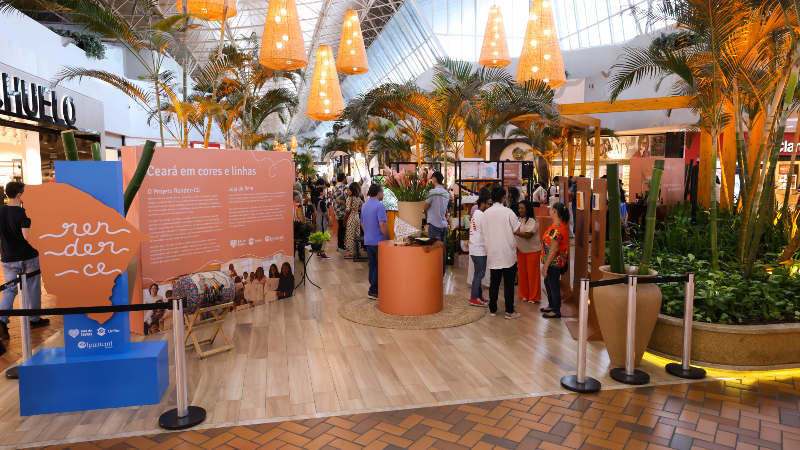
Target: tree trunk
<point>158,110</point>
<point>785,207</point>
<point>713,204</point>
<point>749,206</point>
<point>769,175</point>
<point>791,248</point>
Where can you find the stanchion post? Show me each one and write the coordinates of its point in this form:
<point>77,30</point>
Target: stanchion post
<point>684,369</point>
<point>24,326</point>
<point>629,375</point>
<point>580,382</point>
<point>184,416</point>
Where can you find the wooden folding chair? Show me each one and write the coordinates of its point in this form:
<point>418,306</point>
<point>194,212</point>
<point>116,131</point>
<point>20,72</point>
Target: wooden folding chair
<point>195,323</point>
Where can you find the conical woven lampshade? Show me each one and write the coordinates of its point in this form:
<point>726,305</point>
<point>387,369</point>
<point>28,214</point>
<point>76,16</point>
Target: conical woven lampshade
<point>210,9</point>
<point>325,100</point>
<point>541,57</point>
<point>282,46</point>
<point>352,57</point>
<point>494,52</point>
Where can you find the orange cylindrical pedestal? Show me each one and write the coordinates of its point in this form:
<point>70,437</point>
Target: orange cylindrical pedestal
<point>409,279</point>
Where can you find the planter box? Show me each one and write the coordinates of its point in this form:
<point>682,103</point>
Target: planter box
<point>751,346</point>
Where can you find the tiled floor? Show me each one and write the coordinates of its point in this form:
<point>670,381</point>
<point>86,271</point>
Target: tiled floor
<point>744,414</point>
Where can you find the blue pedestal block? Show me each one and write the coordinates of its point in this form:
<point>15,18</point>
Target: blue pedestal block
<point>50,382</point>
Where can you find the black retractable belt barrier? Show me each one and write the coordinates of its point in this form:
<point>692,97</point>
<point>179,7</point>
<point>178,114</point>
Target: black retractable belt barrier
<point>629,375</point>
<point>184,416</point>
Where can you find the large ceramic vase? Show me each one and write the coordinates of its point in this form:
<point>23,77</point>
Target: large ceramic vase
<point>411,213</point>
<point>611,304</point>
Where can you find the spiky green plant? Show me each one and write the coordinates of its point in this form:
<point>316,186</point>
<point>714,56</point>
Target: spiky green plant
<point>650,218</point>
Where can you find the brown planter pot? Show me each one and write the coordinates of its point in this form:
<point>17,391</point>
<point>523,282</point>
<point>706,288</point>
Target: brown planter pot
<point>612,314</point>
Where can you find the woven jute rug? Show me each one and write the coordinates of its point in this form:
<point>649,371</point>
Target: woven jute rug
<point>456,312</point>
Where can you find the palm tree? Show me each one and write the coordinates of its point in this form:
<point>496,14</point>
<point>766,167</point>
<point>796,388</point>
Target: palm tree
<point>713,26</point>
<point>150,45</point>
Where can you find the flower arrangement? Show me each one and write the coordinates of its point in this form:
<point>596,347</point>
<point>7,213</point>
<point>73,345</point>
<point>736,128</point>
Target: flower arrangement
<point>408,186</point>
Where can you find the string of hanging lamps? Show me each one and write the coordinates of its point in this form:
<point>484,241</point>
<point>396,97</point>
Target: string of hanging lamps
<point>213,10</point>
<point>282,46</point>
<point>541,57</point>
<point>494,51</point>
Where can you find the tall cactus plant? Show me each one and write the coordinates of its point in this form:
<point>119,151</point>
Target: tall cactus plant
<point>614,220</point>
<point>650,218</point>
<point>138,176</point>
<point>70,146</point>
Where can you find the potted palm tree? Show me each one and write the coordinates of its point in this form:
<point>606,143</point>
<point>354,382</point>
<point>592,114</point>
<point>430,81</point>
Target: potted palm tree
<point>611,301</point>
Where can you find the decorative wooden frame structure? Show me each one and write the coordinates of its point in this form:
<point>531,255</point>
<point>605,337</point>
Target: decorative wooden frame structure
<point>194,323</point>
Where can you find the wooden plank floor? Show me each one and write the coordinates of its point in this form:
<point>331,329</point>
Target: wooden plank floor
<point>297,358</point>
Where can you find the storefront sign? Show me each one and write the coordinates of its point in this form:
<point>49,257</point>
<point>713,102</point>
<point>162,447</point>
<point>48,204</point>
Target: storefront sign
<point>40,103</point>
<point>26,96</point>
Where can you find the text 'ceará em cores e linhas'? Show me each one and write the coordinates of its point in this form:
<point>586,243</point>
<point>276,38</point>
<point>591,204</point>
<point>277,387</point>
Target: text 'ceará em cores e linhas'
<point>184,172</point>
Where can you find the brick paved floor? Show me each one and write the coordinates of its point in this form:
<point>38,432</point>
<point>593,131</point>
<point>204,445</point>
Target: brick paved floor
<point>743,414</point>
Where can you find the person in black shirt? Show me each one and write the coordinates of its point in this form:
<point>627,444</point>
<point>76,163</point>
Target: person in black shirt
<point>286,283</point>
<point>18,256</point>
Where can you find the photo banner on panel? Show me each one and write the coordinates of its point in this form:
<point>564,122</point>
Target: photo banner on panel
<point>211,210</point>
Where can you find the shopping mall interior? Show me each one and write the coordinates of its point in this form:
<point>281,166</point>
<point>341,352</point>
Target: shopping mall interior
<point>383,224</point>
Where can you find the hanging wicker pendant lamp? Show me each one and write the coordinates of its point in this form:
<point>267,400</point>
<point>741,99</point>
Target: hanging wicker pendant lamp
<point>541,57</point>
<point>282,46</point>
<point>325,100</point>
<point>210,9</point>
<point>494,52</point>
<point>352,57</point>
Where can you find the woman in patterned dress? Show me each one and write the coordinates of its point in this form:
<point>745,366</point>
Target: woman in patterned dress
<point>354,204</point>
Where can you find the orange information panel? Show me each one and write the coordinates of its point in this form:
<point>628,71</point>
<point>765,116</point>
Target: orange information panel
<point>212,210</point>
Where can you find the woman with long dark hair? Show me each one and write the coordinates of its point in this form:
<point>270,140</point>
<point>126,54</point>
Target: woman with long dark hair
<point>555,258</point>
<point>513,200</point>
<point>351,218</point>
<point>529,252</point>
<point>286,283</point>
<point>273,271</point>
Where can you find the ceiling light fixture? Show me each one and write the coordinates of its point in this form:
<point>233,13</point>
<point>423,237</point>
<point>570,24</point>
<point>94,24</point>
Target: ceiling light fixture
<point>494,51</point>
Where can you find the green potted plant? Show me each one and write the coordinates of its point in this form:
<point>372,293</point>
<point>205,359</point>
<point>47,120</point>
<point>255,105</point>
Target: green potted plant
<point>319,239</point>
<point>612,301</point>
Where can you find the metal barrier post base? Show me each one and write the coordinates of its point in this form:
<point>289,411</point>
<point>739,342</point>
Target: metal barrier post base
<point>692,373</point>
<point>171,421</point>
<point>13,373</point>
<point>589,385</point>
<point>638,377</point>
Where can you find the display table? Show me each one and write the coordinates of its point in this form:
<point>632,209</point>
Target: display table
<point>409,279</point>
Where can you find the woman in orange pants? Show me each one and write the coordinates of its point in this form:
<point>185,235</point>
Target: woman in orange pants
<point>529,251</point>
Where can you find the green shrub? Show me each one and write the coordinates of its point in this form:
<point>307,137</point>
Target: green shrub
<point>724,296</point>
<point>87,42</point>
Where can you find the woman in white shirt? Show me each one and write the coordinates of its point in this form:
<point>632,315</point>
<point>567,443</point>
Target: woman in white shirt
<point>529,251</point>
<point>477,252</point>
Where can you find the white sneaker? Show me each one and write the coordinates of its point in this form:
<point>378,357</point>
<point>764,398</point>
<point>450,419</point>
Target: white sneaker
<point>492,314</point>
<point>514,315</point>
<point>372,296</point>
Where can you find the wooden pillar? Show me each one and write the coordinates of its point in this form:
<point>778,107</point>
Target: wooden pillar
<point>597,151</point>
<point>754,137</point>
<point>728,159</point>
<point>570,156</point>
<point>583,152</point>
<point>704,176</point>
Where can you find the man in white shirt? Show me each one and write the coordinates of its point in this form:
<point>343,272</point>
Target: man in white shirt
<point>477,253</point>
<point>554,191</point>
<point>539,196</point>
<point>498,226</point>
